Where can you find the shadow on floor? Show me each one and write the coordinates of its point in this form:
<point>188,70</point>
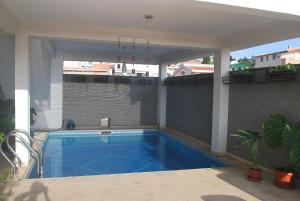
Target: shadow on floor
<point>36,189</point>
<point>261,190</point>
<point>221,198</point>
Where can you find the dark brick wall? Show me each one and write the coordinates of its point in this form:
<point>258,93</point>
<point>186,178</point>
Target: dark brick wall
<point>189,109</point>
<point>127,104</point>
<point>250,104</point>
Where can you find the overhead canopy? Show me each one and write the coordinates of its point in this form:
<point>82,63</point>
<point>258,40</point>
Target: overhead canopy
<point>189,24</point>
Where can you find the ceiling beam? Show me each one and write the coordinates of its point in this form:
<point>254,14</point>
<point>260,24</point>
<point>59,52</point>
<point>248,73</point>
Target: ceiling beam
<point>104,57</point>
<point>111,34</point>
<point>178,56</point>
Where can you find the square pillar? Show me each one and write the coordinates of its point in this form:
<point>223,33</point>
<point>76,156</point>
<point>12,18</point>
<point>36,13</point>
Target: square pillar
<point>22,92</point>
<point>162,97</point>
<point>220,103</point>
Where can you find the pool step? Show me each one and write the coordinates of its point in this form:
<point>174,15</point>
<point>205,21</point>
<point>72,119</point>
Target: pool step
<point>105,132</point>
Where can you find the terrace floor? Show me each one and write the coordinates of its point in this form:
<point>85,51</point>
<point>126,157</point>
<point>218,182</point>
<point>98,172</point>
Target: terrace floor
<point>221,184</point>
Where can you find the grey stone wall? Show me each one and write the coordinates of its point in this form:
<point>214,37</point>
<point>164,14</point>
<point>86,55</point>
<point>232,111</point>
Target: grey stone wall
<point>189,110</point>
<point>251,104</point>
<point>129,104</point>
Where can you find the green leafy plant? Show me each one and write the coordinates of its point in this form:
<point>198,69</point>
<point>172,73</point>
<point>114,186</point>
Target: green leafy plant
<point>1,136</point>
<point>283,68</point>
<point>245,71</point>
<point>7,112</point>
<point>291,139</point>
<point>272,130</point>
<point>6,181</point>
<point>278,133</point>
<point>252,139</point>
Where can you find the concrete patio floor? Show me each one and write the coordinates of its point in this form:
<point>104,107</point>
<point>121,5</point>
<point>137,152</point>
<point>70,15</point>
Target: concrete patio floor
<point>221,184</point>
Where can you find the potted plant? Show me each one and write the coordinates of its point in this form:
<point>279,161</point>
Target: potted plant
<point>241,76</point>
<point>283,72</point>
<point>252,139</point>
<point>278,133</point>
<point>33,115</point>
<point>70,124</point>
<point>7,117</point>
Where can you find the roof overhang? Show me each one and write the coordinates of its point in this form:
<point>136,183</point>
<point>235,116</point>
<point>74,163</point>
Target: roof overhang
<point>182,24</point>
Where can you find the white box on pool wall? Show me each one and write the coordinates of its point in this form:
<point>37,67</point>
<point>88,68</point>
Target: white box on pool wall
<point>105,122</point>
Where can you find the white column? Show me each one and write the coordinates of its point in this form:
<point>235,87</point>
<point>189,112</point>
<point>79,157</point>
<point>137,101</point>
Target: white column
<point>55,115</point>
<point>162,97</point>
<point>22,91</point>
<point>220,103</point>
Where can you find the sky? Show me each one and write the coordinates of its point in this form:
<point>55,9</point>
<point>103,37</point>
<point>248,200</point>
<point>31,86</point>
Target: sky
<point>265,49</point>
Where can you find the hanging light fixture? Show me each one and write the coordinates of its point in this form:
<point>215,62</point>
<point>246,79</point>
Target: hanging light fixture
<point>147,59</point>
<point>119,50</point>
<point>148,20</point>
<point>124,68</point>
<point>133,57</point>
<point>119,54</point>
<point>113,70</point>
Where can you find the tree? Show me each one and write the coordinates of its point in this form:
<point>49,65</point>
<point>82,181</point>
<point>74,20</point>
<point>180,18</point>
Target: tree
<point>250,63</point>
<point>206,60</point>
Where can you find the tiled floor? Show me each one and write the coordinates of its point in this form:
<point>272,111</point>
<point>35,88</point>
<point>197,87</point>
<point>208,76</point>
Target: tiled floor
<point>223,184</point>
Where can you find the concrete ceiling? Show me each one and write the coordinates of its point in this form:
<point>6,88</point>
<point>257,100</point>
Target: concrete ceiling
<point>187,16</point>
<point>211,24</point>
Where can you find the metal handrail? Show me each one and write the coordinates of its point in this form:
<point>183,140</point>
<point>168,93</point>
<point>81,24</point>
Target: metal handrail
<point>13,151</point>
<point>14,167</point>
<point>29,136</point>
<point>23,141</point>
<point>32,140</point>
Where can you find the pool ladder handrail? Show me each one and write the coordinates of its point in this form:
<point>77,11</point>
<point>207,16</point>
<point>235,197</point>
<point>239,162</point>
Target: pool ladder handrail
<point>40,150</point>
<point>38,146</point>
<point>12,164</point>
<point>38,157</point>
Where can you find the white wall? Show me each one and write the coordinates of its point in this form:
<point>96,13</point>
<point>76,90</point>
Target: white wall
<point>45,84</point>
<point>7,66</point>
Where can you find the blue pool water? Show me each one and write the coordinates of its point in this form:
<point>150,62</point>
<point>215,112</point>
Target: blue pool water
<point>88,153</point>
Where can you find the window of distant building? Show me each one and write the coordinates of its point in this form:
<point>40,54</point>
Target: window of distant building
<point>274,56</point>
<point>267,57</point>
<point>261,59</point>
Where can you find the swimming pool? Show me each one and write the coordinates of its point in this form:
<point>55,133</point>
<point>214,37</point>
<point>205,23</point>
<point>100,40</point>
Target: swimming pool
<point>79,153</point>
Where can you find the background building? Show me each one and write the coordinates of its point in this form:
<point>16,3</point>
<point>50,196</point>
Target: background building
<point>290,56</point>
<point>106,68</point>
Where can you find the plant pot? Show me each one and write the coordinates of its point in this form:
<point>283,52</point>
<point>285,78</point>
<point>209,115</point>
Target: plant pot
<point>255,175</point>
<point>282,76</point>
<point>284,179</point>
<point>238,77</point>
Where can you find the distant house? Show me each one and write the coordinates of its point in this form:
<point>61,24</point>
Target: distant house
<point>104,68</point>
<point>190,68</point>
<point>290,56</point>
<point>87,68</point>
